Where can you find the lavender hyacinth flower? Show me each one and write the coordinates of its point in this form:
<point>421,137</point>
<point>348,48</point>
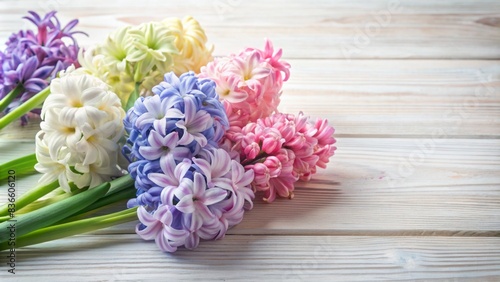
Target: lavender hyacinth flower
<point>183,117</point>
<point>187,188</point>
<point>32,58</point>
<point>192,206</point>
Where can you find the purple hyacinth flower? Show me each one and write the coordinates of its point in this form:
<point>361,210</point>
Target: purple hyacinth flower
<point>196,203</point>
<point>32,58</point>
<point>194,124</point>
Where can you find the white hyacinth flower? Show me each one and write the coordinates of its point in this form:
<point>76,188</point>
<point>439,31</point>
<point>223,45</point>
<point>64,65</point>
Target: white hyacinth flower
<point>52,168</point>
<point>82,125</point>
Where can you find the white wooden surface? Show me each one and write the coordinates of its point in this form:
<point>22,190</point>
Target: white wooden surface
<point>413,192</point>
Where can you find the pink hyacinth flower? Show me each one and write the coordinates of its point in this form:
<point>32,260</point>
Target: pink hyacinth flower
<point>250,81</point>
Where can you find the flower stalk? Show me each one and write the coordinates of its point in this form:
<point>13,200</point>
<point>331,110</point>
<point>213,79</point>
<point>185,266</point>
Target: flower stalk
<point>105,204</point>
<point>4,103</point>
<point>30,196</point>
<point>27,106</point>
<point>121,189</point>
<point>22,166</point>
<point>133,97</point>
<point>51,214</point>
<point>73,228</point>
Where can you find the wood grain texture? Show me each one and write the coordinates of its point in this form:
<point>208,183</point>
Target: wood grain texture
<point>319,29</point>
<point>398,97</point>
<point>266,258</point>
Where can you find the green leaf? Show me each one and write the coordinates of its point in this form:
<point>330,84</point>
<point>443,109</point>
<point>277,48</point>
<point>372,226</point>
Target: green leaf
<point>57,195</point>
<point>51,214</point>
<point>121,189</point>
<point>73,228</point>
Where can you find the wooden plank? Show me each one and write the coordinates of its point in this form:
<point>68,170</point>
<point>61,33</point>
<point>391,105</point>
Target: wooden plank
<point>373,185</point>
<point>398,97</point>
<point>264,258</point>
<point>416,98</point>
<point>323,29</point>
<point>26,133</point>
<point>376,186</point>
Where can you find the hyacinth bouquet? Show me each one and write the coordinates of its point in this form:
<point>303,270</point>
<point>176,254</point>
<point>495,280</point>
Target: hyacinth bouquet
<point>149,122</point>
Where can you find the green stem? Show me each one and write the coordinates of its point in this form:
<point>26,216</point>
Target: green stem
<point>72,228</point>
<point>4,103</point>
<point>29,197</point>
<point>113,198</point>
<point>132,97</point>
<point>121,189</point>
<point>25,107</point>
<point>120,184</point>
<point>45,202</point>
<point>53,213</point>
<point>114,194</point>
<point>103,203</point>
<point>21,166</point>
<point>88,214</point>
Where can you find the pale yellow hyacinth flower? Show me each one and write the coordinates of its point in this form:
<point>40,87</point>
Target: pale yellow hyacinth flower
<point>138,56</point>
<point>191,41</point>
<point>116,49</point>
<point>153,47</point>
